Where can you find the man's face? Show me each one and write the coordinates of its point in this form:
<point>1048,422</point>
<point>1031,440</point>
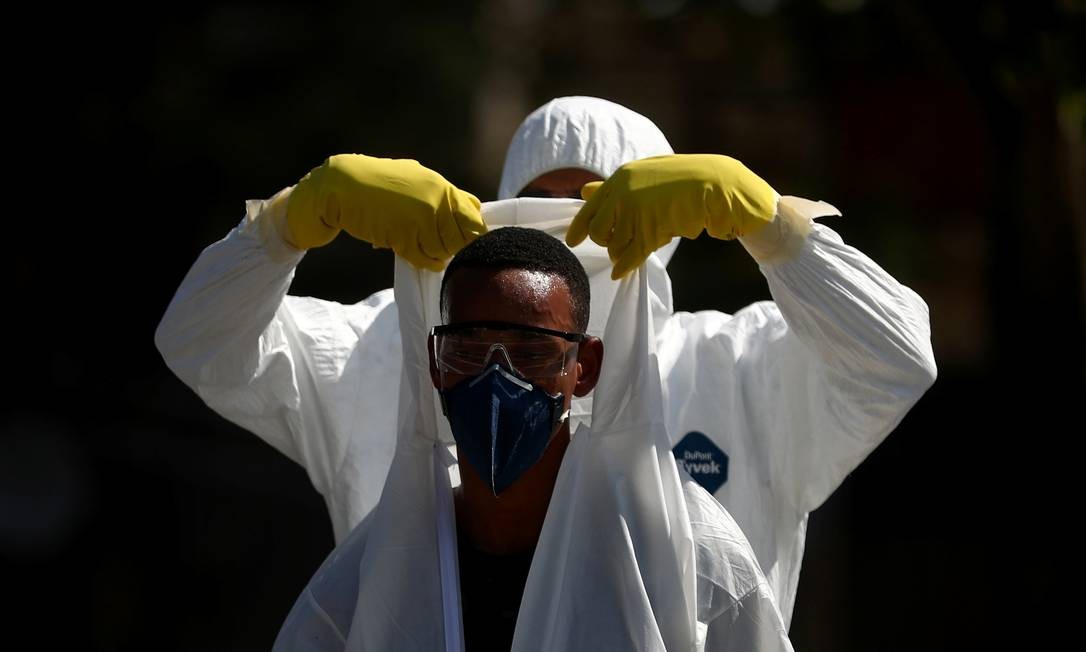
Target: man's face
<point>527,298</point>
<point>530,299</point>
<point>566,182</point>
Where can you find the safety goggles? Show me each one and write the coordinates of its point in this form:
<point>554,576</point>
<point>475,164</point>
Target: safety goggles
<point>468,348</point>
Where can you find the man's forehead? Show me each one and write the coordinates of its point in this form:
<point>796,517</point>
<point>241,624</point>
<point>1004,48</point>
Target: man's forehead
<point>565,182</point>
<point>510,283</point>
<point>534,282</point>
<point>539,297</point>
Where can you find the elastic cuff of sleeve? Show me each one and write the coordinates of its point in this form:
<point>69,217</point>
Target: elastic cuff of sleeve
<point>267,220</point>
<point>782,239</point>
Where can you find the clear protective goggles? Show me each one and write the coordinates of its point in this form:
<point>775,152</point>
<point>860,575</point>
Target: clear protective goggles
<point>468,348</point>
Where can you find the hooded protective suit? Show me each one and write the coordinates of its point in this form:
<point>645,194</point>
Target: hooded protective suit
<point>631,555</point>
<point>770,407</point>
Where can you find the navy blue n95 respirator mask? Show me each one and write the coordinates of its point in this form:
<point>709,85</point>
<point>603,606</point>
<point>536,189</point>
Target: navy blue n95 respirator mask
<point>502,423</point>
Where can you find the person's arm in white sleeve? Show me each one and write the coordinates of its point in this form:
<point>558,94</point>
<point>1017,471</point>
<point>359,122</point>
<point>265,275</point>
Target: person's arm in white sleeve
<point>263,360</point>
<point>852,355</point>
<point>314,378</point>
<point>816,380</point>
<point>752,623</point>
<point>736,608</point>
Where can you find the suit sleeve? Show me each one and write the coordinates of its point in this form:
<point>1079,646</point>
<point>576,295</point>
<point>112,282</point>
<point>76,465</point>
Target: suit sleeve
<point>736,609</point>
<point>753,623</point>
<point>271,363</point>
<point>817,378</point>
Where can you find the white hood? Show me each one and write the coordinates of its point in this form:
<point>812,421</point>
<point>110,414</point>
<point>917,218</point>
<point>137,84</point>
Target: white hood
<point>578,132</point>
<point>581,132</point>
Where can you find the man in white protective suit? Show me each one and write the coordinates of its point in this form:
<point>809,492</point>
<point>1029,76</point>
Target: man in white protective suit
<point>769,409</point>
<point>548,542</point>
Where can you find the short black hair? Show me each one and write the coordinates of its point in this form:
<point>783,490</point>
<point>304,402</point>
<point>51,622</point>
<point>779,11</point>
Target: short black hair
<point>515,247</point>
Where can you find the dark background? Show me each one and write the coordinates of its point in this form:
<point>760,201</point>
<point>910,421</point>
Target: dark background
<point>951,135</point>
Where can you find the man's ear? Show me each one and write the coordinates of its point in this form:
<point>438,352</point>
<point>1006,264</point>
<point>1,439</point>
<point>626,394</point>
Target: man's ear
<point>589,364</point>
<point>435,376</point>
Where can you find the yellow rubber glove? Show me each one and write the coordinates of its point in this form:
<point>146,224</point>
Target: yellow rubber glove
<point>393,203</point>
<point>647,202</point>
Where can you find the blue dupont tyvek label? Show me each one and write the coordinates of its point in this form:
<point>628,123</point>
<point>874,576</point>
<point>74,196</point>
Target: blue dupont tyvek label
<point>702,459</point>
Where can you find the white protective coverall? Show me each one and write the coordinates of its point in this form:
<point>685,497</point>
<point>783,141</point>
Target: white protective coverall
<point>795,392</point>
<point>632,555</point>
